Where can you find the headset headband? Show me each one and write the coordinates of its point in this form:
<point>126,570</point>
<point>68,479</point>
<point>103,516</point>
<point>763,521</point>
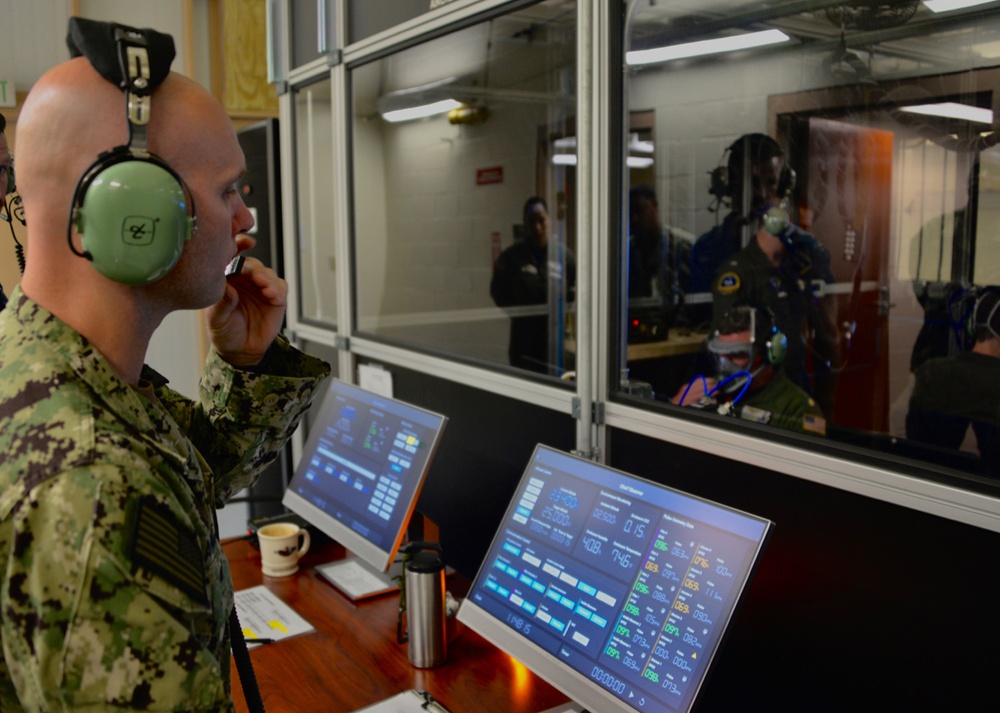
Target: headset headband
<point>136,61</point>
<point>98,42</point>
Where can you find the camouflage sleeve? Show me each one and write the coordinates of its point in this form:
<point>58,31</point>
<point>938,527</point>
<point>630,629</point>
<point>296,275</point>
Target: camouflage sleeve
<point>245,417</point>
<point>114,598</point>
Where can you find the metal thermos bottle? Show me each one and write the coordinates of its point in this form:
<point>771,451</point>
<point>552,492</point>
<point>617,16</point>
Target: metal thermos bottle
<point>425,608</point>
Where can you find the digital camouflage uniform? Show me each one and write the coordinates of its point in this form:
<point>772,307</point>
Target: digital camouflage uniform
<point>115,591</point>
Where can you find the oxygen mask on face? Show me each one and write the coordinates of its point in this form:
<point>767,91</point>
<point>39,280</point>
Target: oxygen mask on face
<point>776,219</point>
<point>731,357</point>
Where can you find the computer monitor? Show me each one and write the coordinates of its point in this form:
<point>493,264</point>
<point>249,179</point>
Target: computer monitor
<point>359,478</point>
<point>614,589</point>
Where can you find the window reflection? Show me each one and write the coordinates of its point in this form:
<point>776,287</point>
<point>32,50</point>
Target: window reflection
<point>539,277</point>
<point>450,138</point>
<point>842,182</point>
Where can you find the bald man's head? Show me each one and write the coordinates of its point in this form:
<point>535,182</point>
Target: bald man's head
<point>71,116</point>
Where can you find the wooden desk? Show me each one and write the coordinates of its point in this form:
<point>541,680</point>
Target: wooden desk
<point>352,659</point>
<point>681,340</point>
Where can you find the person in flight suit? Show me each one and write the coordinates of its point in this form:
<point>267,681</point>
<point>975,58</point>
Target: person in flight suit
<point>116,592</point>
<point>750,384</point>
<point>521,277</point>
<point>742,183</point>
<point>786,270</point>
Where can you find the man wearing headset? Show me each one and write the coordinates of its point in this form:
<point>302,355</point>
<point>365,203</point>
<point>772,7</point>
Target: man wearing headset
<point>950,394</point>
<point>784,270</point>
<point>115,589</point>
<point>750,383</point>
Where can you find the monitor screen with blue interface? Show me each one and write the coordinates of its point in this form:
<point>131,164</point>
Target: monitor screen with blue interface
<point>362,469</point>
<point>614,589</point>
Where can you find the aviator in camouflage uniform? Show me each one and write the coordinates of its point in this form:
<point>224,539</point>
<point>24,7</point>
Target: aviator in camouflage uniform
<point>115,591</point>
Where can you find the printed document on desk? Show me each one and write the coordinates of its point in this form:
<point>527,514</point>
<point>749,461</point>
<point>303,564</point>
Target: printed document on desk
<point>411,701</point>
<point>264,616</point>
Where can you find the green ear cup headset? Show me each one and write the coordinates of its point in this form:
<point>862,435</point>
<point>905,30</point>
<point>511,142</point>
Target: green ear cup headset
<point>773,340</point>
<point>132,210</point>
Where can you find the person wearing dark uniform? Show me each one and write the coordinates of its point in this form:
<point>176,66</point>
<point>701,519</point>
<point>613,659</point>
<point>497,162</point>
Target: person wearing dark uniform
<point>658,262</point>
<point>786,270</point>
<point>521,277</point>
<point>751,384</point>
<point>951,394</point>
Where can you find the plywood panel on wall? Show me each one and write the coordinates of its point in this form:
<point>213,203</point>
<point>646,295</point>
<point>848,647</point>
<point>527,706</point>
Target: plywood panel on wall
<point>239,58</point>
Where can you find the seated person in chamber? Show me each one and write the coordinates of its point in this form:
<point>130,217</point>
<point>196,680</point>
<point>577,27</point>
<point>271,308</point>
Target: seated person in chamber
<point>953,393</point>
<point>785,270</point>
<point>657,266</point>
<point>116,591</point>
<point>750,382</point>
<point>525,274</point>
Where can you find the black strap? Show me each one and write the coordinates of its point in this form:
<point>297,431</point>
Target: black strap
<point>98,42</point>
<point>247,678</point>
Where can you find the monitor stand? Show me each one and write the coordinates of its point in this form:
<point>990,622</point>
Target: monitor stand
<point>359,580</point>
<point>566,708</point>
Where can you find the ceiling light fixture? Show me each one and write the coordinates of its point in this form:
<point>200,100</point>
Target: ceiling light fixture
<point>442,106</point>
<point>569,159</point>
<point>704,47</point>
<point>949,5</point>
<point>952,110</point>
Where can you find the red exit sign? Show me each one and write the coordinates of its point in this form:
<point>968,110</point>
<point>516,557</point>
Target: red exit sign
<point>485,176</point>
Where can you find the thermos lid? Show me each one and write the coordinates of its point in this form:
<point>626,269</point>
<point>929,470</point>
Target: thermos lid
<point>425,562</point>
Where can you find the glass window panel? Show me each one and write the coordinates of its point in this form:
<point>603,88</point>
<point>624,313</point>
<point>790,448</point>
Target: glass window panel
<point>369,17</point>
<point>439,200</point>
<point>305,34</point>
<point>843,182</point>
<point>314,203</point>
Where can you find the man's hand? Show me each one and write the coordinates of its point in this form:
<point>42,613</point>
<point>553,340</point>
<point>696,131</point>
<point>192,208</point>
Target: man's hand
<point>247,319</point>
<point>694,391</point>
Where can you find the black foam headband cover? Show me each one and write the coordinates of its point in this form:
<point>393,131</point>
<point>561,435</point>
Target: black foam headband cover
<point>97,41</point>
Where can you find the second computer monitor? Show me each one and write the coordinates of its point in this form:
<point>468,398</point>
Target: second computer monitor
<point>615,589</point>
<point>362,469</point>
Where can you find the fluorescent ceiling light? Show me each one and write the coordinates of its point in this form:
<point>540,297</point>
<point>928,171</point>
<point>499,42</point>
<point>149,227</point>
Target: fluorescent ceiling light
<point>569,159</point>
<point>949,5</point>
<point>639,161</point>
<point>419,112</point>
<point>703,47</point>
<point>953,110</point>
<point>638,145</point>
<point>634,144</point>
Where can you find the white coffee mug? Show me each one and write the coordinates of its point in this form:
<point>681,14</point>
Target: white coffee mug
<point>281,546</point>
